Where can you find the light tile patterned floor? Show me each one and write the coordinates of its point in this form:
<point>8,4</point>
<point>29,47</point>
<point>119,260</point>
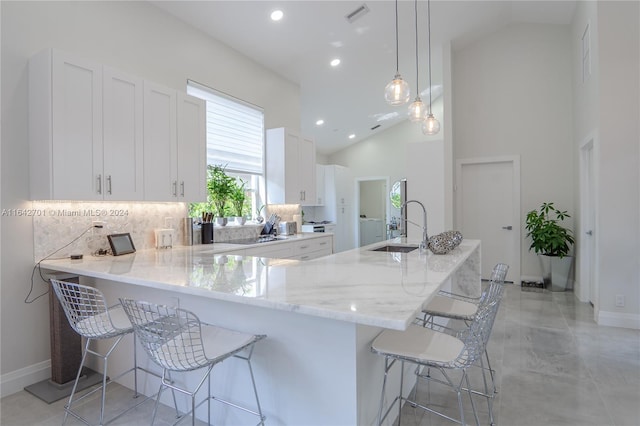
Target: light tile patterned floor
<point>555,367</point>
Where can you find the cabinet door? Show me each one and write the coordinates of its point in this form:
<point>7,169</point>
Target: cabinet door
<point>192,149</point>
<point>307,171</point>
<point>292,188</point>
<point>76,128</point>
<point>123,121</point>
<point>320,193</point>
<point>160,147</point>
<point>344,186</point>
<point>344,229</point>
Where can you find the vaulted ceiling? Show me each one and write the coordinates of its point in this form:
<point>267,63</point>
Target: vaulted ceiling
<point>349,97</point>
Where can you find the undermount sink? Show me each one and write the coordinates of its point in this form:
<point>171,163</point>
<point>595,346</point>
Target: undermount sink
<point>396,248</point>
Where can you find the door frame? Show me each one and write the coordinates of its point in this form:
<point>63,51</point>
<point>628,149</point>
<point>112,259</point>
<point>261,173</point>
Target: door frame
<point>356,212</point>
<point>588,186</point>
<point>515,208</point>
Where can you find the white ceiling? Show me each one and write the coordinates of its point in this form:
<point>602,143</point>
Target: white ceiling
<point>349,97</point>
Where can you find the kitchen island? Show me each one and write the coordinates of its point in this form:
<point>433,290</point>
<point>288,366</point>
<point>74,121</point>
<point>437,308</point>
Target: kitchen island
<point>320,316</point>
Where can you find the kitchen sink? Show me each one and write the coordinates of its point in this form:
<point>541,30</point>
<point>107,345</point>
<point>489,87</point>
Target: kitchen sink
<point>396,248</point>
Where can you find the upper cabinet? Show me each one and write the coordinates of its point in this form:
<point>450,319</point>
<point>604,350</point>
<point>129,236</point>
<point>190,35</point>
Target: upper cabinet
<point>291,168</point>
<point>174,145</point>
<point>122,130</point>
<point>96,133</point>
<point>65,127</point>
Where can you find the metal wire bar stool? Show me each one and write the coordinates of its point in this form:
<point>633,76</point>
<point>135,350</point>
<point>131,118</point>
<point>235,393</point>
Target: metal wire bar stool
<point>427,348</point>
<point>177,341</point>
<point>451,306</point>
<point>86,309</point>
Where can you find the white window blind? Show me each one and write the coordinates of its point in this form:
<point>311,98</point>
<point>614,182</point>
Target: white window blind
<point>235,131</point>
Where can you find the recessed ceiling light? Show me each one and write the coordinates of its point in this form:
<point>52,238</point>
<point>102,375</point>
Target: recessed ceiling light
<point>277,15</point>
<point>352,136</point>
<point>319,122</point>
<point>335,62</point>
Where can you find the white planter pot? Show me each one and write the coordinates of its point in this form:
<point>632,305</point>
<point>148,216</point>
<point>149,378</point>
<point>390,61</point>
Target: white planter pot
<point>239,220</point>
<point>221,221</point>
<point>556,271</point>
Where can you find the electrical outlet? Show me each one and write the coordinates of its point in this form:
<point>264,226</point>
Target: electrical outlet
<point>619,300</point>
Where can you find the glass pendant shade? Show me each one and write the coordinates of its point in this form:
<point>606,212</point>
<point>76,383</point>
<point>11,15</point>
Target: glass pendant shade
<point>417,110</point>
<point>397,92</point>
<point>431,125</point>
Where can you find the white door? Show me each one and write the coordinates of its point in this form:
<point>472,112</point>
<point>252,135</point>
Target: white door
<point>586,239</point>
<point>488,209</point>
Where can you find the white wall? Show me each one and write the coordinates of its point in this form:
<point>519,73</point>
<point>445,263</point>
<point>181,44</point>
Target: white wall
<point>403,151</point>
<point>512,95</point>
<point>135,37</point>
<point>618,240</point>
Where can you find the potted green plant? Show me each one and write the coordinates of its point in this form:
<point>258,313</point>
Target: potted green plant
<point>238,196</point>
<point>220,186</point>
<point>552,242</point>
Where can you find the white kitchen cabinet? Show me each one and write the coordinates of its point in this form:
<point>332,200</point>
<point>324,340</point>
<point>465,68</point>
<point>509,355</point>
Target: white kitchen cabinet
<point>174,145</point>
<point>338,207</point>
<point>65,127</point>
<point>320,192</point>
<point>96,133</point>
<point>192,149</point>
<point>291,168</point>
<point>313,248</point>
<point>122,150</point>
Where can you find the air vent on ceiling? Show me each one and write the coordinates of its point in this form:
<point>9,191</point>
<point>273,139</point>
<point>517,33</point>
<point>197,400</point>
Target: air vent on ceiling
<point>376,126</point>
<point>358,13</point>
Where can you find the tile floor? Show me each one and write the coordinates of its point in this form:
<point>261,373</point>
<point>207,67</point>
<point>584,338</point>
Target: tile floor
<point>555,367</point>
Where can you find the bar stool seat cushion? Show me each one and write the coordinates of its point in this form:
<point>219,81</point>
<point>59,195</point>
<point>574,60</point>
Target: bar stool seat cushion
<point>451,307</point>
<point>419,344</point>
<point>218,343</point>
<point>108,324</point>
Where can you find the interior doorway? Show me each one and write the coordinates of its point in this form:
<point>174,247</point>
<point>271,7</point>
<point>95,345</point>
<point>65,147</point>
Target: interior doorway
<point>488,209</point>
<point>587,289</point>
<point>372,209</point>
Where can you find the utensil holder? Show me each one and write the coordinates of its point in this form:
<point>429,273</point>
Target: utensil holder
<point>207,233</point>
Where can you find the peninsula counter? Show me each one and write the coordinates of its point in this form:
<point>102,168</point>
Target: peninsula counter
<point>320,316</point>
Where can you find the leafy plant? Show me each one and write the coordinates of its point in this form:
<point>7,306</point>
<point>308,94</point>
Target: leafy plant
<point>238,196</point>
<point>548,237</point>
<point>220,187</point>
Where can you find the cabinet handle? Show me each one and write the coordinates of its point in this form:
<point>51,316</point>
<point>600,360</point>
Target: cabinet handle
<point>182,189</point>
<point>304,247</point>
<point>175,188</point>
<point>99,184</point>
<point>304,257</point>
<point>109,184</point>
<point>324,243</point>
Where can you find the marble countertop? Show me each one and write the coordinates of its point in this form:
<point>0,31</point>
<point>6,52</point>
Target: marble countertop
<point>361,286</point>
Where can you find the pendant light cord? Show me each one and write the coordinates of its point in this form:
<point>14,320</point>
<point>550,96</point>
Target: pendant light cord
<point>397,45</point>
<point>417,73</point>
<point>429,41</point>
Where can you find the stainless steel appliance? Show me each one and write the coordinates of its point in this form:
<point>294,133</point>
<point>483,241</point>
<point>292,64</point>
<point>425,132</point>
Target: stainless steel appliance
<point>287,228</point>
<point>313,227</point>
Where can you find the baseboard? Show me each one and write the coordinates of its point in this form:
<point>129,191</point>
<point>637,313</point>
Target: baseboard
<point>15,381</point>
<point>531,278</point>
<point>619,319</point>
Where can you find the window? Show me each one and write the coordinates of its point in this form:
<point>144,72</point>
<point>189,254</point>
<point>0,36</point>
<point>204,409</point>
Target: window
<point>235,139</point>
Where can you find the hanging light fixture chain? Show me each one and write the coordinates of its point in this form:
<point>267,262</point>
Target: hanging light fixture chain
<point>417,73</point>
<point>397,45</point>
<point>429,41</point>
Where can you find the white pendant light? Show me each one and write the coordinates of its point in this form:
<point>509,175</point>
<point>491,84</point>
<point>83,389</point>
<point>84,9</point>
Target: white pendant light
<point>417,108</point>
<point>397,92</point>
<point>431,125</point>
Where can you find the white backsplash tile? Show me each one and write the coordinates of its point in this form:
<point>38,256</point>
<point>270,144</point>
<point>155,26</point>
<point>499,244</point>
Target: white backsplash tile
<point>62,222</point>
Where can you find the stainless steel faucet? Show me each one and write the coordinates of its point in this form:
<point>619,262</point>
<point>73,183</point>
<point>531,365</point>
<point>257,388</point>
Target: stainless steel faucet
<point>425,237</point>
